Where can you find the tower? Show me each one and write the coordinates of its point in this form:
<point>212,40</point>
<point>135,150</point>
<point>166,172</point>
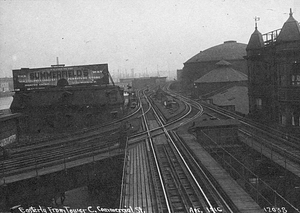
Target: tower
<point>273,61</point>
<point>260,88</point>
<point>288,72</point>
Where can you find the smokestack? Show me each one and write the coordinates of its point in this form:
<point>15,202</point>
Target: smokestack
<point>57,64</point>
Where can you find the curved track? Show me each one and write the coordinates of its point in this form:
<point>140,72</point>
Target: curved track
<point>83,144</point>
<point>182,189</point>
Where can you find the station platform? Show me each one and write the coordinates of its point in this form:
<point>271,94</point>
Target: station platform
<point>138,191</point>
<point>239,197</point>
<point>275,157</point>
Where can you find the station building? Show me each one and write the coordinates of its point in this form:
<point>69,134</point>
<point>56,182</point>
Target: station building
<point>225,87</point>
<point>205,61</point>
<point>273,61</point>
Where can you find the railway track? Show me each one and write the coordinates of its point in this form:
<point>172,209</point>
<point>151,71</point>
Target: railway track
<point>273,139</point>
<point>288,149</point>
<point>265,130</point>
<point>40,155</point>
<point>180,119</point>
<point>106,128</point>
<point>214,192</point>
<point>56,156</point>
<point>180,187</point>
<point>268,141</point>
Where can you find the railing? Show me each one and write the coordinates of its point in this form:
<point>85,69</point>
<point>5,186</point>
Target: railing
<point>250,181</point>
<point>270,37</point>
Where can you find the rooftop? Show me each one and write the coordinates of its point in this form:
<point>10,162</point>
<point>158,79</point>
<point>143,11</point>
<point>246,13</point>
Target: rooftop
<point>229,50</point>
<point>289,32</point>
<point>223,73</point>
<point>216,123</point>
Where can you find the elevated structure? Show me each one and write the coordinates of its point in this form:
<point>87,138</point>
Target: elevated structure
<point>62,97</point>
<point>224,132</point>
<point>274,75</point>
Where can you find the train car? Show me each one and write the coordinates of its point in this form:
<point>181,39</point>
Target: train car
<point>60,98</point>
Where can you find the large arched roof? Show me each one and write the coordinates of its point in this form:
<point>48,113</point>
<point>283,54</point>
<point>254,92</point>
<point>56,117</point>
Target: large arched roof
<point>229,50</point>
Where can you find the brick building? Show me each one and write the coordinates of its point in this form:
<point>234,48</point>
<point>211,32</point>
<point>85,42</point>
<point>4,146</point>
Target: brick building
<point>273,61</point>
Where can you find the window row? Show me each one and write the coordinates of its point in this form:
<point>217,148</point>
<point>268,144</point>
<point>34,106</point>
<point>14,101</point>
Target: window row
<point>295,119</point>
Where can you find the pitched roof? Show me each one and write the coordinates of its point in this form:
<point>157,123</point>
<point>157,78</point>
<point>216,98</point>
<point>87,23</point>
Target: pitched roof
<point>216,123</point>
<point>229,50</point>
<point>236,95</point>
<point>290,30</point>
<point>256,40</point>
<point>229,96</point>
<point>223,73</point>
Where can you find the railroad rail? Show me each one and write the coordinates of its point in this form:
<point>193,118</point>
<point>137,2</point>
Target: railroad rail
<point>181,188</point>
<point>281,150</point>
<point>63,156</point>
<point>288,149</point>
<point>270,137</point>
<point>39,155</point>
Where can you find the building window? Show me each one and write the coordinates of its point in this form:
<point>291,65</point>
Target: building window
<point>258,103</point>
<point>296,74</point>
<point>295,120</point>
<point>296,80</point>
<point>282,119</point>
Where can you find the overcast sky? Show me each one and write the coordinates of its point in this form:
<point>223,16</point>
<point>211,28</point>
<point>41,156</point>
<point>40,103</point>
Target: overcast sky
<point>141,34</point>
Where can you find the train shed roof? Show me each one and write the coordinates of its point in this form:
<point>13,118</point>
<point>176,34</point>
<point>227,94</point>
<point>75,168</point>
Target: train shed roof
<point>211,124</point>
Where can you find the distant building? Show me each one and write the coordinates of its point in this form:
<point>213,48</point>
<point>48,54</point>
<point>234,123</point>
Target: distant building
<point>179,74</point>
<point>274,75</point>
<point>6,84</point>
<point>148,82</point>
<point>205,61</point>
<point>234,99</point>
<point>125,83</point>
<point>225,87</point>
<point>126,80</point>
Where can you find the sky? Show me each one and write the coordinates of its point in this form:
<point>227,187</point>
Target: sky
<point>149,36</point>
